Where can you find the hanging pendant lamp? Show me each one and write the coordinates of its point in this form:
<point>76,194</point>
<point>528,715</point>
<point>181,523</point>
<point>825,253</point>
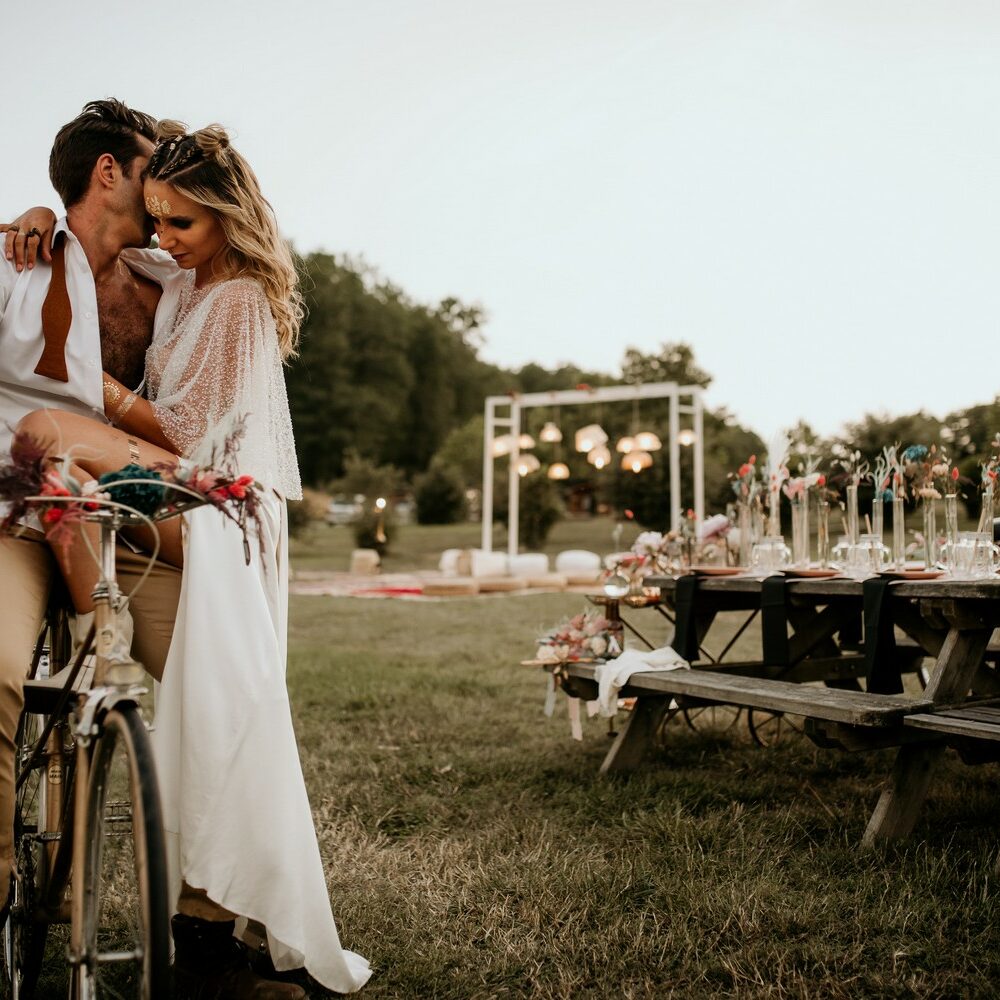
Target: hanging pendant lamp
<point>599,457</point>
<point>550,434</point>
<point>636,461</point>
<point>647,441</point>
<point>589,437</point>
<point>558,470</point>
<point>503,445</point>
<point>525,442</point>
<point>526,464</point>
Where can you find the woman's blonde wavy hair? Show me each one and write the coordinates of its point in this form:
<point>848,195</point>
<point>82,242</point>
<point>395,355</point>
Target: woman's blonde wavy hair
<point>204,167</point>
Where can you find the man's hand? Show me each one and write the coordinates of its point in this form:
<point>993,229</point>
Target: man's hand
<point>27,236</point>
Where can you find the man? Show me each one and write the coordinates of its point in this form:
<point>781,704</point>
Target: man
<point>118,295</point>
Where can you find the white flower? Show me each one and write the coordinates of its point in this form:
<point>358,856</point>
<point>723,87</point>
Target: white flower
<point>92,488</point>
<point>598,645</point>
<point>713,527</point>
<point>648,542</point>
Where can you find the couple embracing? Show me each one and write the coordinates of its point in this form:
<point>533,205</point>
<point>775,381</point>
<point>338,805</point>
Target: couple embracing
<point>111,353</point>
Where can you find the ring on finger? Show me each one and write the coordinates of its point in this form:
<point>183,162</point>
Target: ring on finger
<point>32,232</point>
<point>12,228</point>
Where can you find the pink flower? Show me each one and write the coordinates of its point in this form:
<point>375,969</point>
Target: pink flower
<point>53,515</point>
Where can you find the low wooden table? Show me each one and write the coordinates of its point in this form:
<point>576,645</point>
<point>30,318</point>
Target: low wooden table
<point>949,621</point>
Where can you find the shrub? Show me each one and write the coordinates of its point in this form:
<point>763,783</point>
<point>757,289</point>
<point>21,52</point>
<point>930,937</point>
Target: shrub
<point>538,510</point>
<point>365,529</point>
<point>302,513</point>
<point>439,496</point>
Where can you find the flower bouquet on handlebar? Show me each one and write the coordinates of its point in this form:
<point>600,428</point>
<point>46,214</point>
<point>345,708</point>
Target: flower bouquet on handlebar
<point>34,484</point>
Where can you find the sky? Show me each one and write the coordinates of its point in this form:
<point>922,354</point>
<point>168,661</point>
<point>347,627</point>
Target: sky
<point>805,192</point>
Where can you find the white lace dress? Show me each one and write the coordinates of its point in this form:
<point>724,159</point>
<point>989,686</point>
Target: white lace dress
<point>236,813</point>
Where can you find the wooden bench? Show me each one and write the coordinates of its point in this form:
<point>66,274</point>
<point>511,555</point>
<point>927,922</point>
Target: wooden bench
<point>854,708</point>
<point>981,722</point>
<point>843,717</point>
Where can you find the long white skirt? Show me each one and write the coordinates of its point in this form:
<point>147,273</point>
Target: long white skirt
<point>236,813</point>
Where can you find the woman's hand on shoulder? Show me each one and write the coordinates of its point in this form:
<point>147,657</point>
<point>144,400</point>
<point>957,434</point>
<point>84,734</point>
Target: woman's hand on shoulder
<point>28,236</point>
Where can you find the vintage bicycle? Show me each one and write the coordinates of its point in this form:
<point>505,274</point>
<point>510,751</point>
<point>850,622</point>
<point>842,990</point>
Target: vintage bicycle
<point>89,842</point>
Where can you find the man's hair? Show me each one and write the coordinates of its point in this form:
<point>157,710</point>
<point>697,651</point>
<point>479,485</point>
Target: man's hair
<point>102,127</point>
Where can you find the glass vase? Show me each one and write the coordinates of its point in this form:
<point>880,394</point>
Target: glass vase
<point>899,532</point>
<point>986,511</point>
<point>745,528</point>
<point>852,514</point>
<point>756,521</point>
<point>823,533</point>
<point>774,512</point>
<point>930,533</point>
<point>950,528</point>
<point>800,530</point>
<point>878,517</point>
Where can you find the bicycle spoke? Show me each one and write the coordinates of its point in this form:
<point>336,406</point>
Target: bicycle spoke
<point>125,881</point>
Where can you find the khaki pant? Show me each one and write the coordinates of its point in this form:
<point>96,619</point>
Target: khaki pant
<point>27,569</point>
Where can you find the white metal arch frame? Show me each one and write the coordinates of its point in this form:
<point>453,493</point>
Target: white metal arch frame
<point>511,424</point>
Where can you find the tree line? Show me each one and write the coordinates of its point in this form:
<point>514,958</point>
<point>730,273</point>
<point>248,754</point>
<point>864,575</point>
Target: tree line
<point>388,382</point>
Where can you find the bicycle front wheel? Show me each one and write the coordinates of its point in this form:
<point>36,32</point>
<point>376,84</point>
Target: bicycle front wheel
<point>125,913</point>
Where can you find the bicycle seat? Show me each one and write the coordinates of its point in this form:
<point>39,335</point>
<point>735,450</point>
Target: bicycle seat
<point>42,696</point>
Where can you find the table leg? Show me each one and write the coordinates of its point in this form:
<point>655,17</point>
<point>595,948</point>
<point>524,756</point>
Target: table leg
<point>636,735</point>
<point>899,804</point>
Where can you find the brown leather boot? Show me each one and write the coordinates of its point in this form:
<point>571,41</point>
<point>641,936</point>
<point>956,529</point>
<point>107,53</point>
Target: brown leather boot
<point>210,964</point>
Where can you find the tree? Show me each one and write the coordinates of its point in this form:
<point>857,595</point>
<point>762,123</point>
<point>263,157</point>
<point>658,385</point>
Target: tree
<point>673,363</point>
<point>440,496</point>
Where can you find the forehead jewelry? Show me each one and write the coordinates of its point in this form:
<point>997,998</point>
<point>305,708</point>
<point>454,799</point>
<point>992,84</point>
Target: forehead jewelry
<point>156,207</point>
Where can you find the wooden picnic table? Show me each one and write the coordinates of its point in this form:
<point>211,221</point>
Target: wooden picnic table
<point>860,703</point>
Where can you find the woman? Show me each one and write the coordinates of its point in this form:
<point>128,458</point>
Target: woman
<point>235,807</point>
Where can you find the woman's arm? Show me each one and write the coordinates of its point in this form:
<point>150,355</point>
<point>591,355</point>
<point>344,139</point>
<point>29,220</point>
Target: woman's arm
<point>133,414</point>
<point>18,247</point>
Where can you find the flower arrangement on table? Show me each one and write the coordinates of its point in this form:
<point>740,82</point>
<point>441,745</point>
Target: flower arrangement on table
<point>929,475</point>
<point>651,552</point>
<point>583,638</point>
<point>989,471</point>
<point>775,474</point>
<point>713,538</point>
<point>34,482</point>
<point>928,472</point>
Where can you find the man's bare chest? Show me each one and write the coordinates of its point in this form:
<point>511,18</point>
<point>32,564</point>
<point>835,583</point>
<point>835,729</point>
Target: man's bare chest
<point>126,322</point>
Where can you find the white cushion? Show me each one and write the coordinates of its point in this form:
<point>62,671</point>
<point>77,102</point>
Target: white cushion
<point>577,561</point>
<point>488,563</point>
<point>529,564</point>
<point>448,563</point>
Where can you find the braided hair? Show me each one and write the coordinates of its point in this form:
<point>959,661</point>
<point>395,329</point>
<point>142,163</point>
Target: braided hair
<point>204,167</point>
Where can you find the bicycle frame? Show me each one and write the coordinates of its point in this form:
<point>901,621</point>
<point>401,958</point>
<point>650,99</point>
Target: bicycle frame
<point>114,680</point>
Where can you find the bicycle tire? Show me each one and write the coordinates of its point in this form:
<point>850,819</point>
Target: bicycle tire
<point>26,930</point>
<point>129,959</point>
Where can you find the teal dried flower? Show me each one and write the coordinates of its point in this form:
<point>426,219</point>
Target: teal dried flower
<point>145,497</point>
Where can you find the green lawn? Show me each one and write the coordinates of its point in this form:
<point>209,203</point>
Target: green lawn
<point>474,852</point>
<point>419,547</point>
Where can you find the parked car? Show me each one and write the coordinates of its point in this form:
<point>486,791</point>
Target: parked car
<point>343,511</point>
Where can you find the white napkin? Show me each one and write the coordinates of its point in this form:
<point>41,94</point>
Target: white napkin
<point>613,675</point>
<point>572,709</point>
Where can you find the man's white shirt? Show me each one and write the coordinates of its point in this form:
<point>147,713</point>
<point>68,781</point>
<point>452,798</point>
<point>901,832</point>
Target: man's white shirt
<point>21,339</point>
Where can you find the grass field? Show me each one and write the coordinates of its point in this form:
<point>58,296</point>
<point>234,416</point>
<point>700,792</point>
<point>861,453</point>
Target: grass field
<point>473,852</point>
